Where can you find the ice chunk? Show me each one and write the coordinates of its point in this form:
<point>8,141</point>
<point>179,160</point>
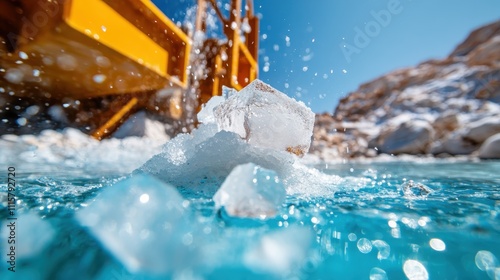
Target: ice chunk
<point>280,252</point>
<point>29,244</point>
<point>206,114</point>
<point>142,222</point>
<point>265,117</point>
<point>250,191</point>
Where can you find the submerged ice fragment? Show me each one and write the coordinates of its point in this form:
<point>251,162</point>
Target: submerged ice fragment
<point>280,252</point>
<point>22,229</point>
<point>265,117</point>
<point>142,222</point>
<point>250,191</point>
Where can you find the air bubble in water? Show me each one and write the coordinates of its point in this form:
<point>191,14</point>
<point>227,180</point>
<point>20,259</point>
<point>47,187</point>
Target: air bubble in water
<point>364,245</point>
<point>485,260</point>
<point>378,274</point>
<point>352,237</point>
<point>437,244</point>
<point>384,250</point>
<point>414,270</point>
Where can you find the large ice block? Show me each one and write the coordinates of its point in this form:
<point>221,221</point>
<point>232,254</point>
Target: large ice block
<point>142,222</point>
<point>265,117</point>
<point>250,191</point>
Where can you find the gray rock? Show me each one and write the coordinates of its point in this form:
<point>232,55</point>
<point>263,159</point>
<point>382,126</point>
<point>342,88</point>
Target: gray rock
<point>410,138</point>
<point>491,148</point>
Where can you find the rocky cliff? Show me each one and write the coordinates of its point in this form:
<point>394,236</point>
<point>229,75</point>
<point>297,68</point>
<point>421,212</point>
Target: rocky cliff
<point>440,107</point>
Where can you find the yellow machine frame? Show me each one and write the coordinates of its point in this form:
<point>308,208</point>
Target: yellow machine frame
<point>86,49</point>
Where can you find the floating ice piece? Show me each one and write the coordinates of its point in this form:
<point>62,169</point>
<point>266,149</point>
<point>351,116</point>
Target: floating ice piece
<point>280,252</point>
<point>250,191</point>
<point>29,244</point>
<point>265,117</point>
<point>142,222</point>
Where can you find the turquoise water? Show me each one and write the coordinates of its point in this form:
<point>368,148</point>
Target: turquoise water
<point>375,230</point>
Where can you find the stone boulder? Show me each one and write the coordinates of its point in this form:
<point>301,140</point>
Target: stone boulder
<point>453,144</point>
<point>490,148</point>
<point>481,130</point>
<point>408,138</point>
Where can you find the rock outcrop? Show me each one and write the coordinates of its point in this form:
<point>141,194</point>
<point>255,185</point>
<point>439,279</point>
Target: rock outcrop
<point>449,106</point>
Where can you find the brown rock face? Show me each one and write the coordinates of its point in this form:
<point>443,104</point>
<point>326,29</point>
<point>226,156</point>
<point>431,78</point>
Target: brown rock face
<point>477,38</point>
<point>448,95</point>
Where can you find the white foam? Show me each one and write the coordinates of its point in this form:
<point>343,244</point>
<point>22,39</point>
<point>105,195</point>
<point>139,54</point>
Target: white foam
<point>72,149</point>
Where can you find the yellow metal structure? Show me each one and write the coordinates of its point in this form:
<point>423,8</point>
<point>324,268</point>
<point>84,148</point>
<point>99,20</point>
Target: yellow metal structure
<point>111,57</point>
<point>235,63</point>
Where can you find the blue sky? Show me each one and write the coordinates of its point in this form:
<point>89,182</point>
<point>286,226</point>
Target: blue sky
<point>314,68</point>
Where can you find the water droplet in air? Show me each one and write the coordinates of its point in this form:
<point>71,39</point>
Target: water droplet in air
<point>14,76</point>
<point>22,121</point>
<point>23,55</point>
<point>99,78</point>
